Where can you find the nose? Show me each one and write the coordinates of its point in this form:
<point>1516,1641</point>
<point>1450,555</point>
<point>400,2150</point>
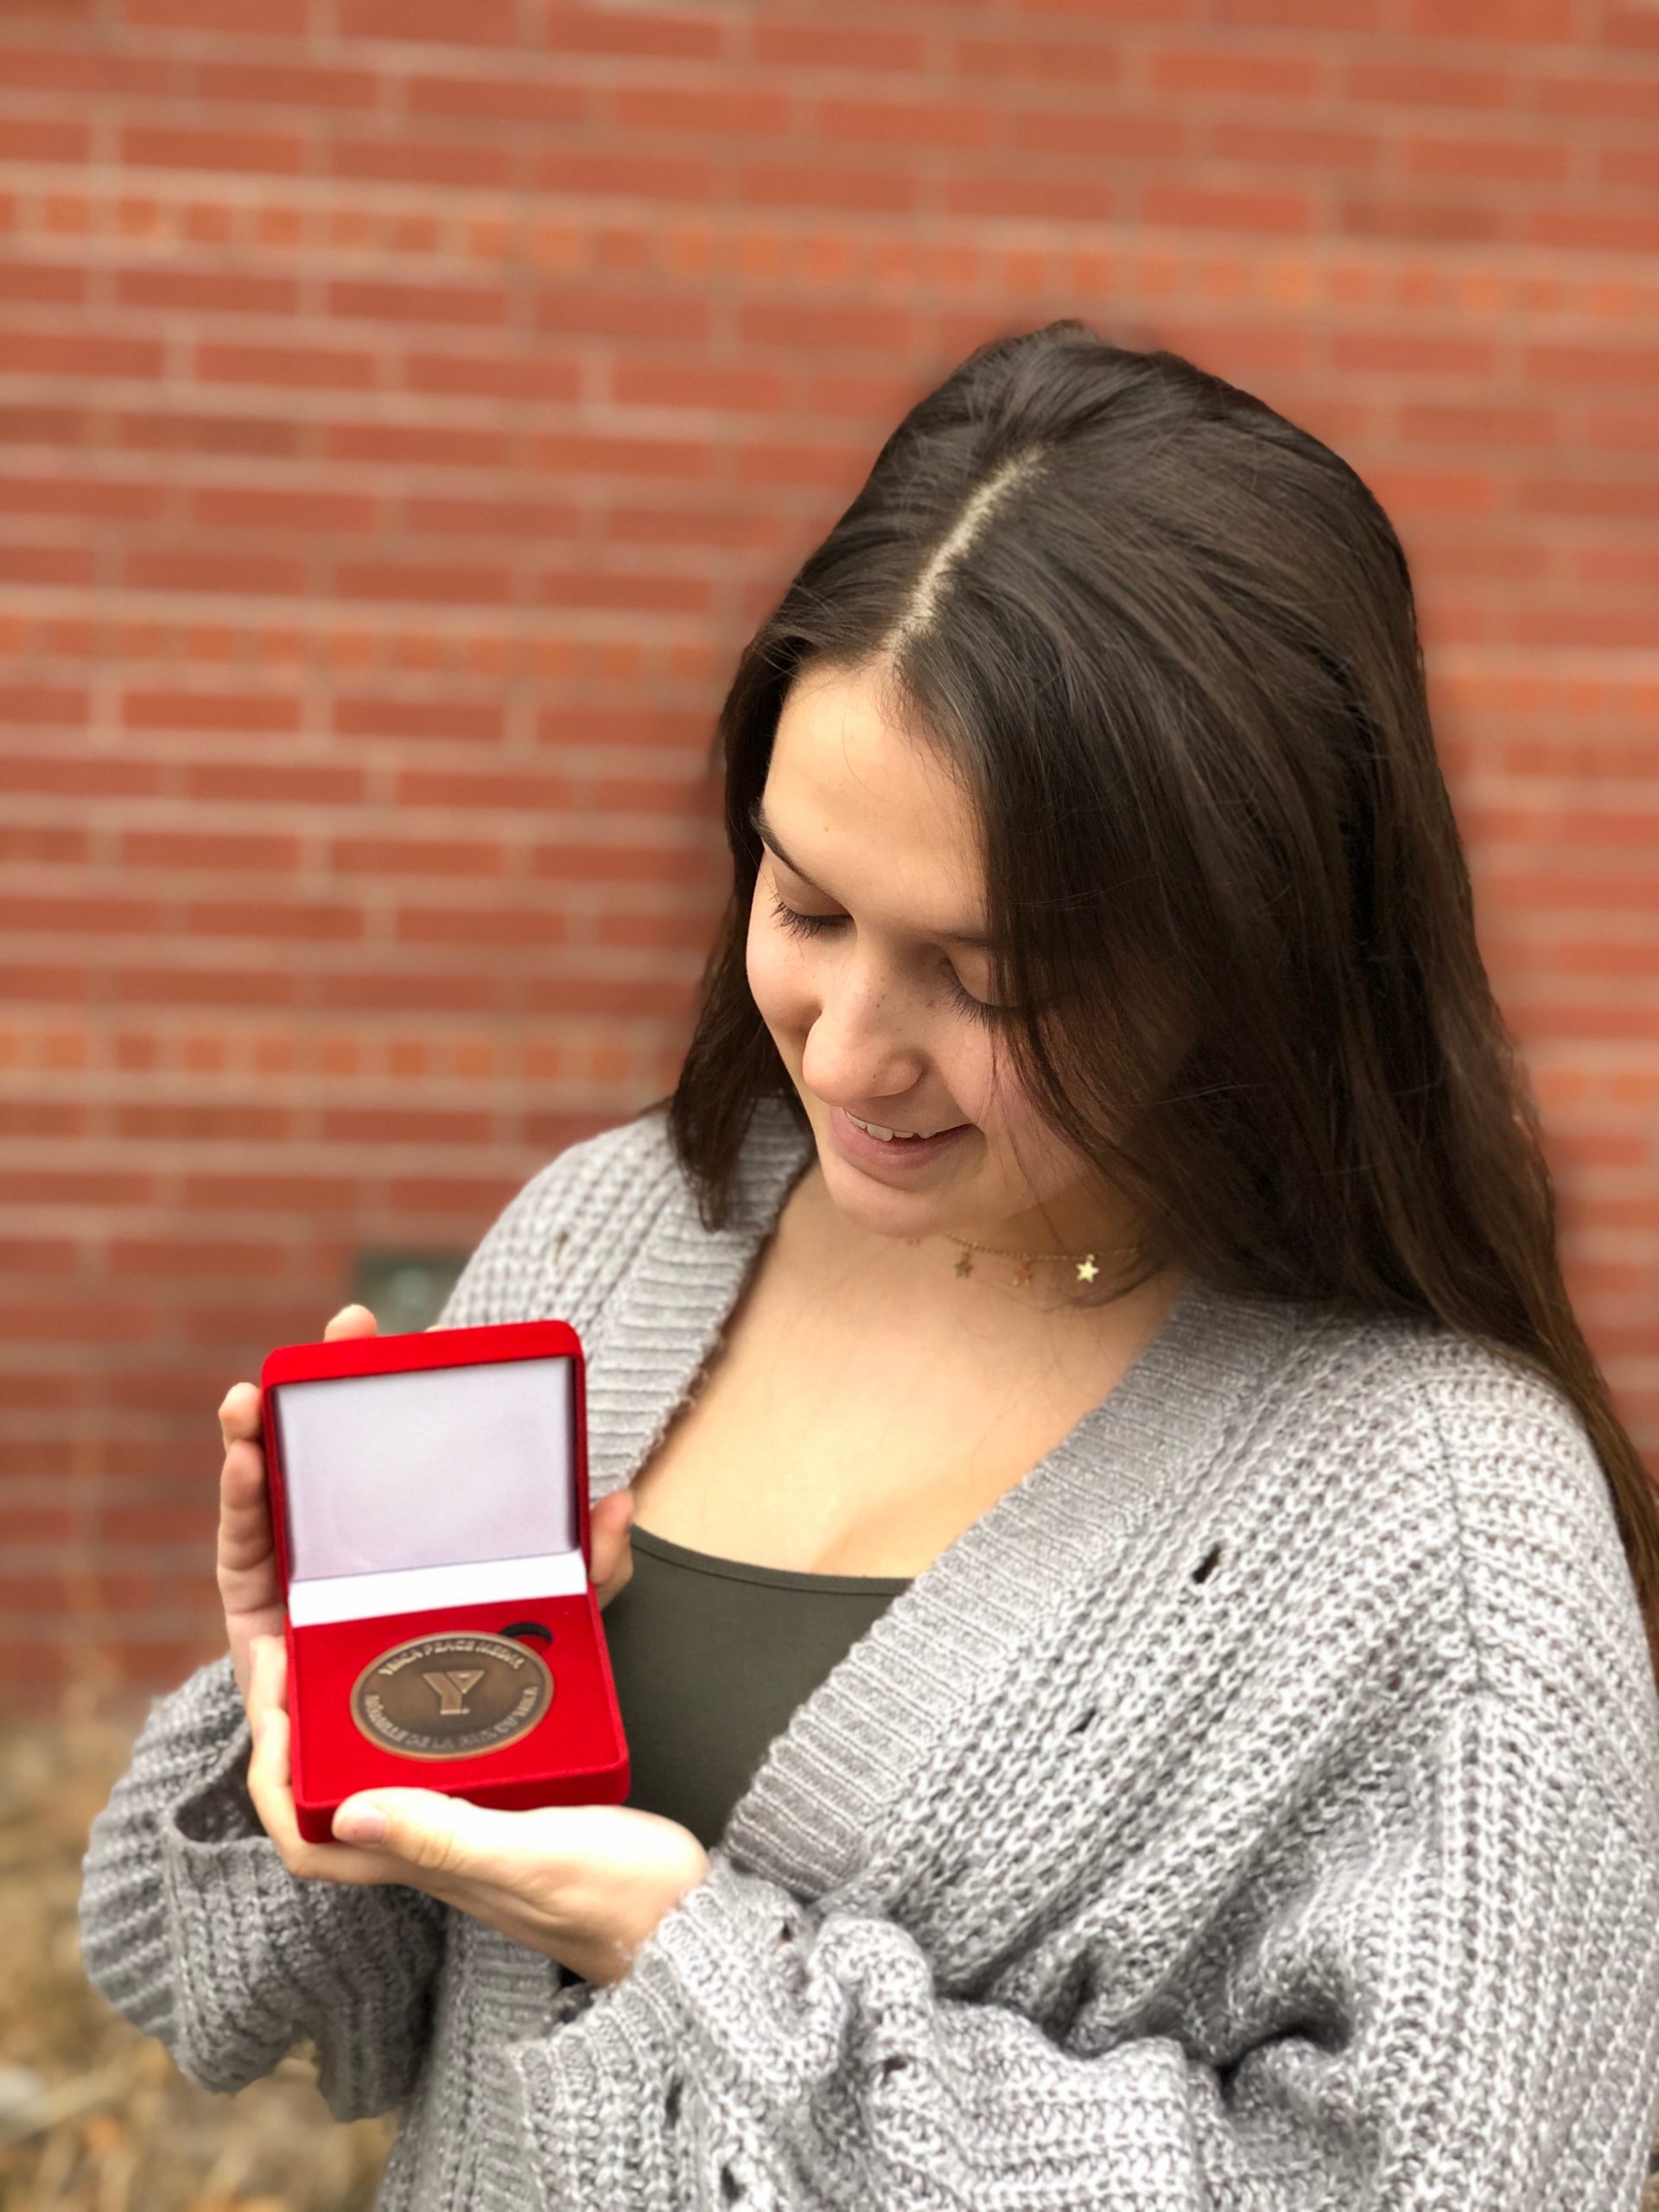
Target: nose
<point>858,1048</point>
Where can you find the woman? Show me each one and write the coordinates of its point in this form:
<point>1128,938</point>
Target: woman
<point>1245,1786</point>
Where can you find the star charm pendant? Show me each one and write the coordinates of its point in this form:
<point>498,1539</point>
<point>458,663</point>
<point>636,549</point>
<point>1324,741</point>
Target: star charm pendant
<point>1023,1274</point>
<point>964,1263</point>
<point>1086,1269</point>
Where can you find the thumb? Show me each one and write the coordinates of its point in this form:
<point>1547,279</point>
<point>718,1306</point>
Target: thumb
<point>443,1835</point>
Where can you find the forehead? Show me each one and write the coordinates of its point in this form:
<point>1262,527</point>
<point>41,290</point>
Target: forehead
<point>840,757</point>
<point>865,813</point>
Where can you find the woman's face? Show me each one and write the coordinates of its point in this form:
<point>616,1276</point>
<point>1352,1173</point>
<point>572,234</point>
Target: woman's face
<point>886,1010</point>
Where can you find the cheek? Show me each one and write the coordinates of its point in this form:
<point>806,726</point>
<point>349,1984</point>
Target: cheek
<point>980,1092</point>
<point>1037,1160</point>
<point>775,980</point>
<point>992,1094</point>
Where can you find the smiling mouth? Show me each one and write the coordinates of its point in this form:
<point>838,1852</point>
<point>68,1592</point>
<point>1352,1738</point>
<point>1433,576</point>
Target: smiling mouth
<point>903,1136</point>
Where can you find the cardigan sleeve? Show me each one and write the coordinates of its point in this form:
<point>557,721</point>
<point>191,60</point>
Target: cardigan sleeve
<point>191,1925</point>
<point>1457,2006</point>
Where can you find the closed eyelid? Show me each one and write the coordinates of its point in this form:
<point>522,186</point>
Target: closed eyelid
<point>813,925</point>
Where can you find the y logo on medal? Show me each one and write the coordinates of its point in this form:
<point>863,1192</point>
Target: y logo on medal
<point>453,1688</point>
<point>452,1696</point>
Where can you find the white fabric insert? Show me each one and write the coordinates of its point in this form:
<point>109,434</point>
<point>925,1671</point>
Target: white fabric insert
<point>434,1486</point>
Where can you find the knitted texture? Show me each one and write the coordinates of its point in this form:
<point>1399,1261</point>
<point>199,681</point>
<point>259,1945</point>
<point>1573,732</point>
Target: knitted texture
<point>1257,1807</point>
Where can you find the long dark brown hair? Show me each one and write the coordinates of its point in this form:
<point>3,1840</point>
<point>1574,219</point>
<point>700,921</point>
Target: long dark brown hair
<point>1167,642</point>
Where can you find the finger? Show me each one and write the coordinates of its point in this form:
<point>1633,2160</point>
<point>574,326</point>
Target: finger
<point>270,1771</point>
<point>610,1527</point>
<point>268,1678</point>
<point>245,1511</point>
<point>246,1545</point>
<point>270,1781</point>
<point>613,1512</point>
<point>267,1693</point>
<point>239,1412</point>
<point>351,1321</point>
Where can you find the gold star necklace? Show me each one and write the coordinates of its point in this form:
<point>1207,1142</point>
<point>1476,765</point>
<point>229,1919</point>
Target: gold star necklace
<point>1084,1262</point>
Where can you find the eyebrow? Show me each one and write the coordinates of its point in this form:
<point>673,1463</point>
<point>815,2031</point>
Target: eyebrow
<point>763,830</point>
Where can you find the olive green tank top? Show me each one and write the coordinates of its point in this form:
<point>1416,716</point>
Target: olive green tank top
<point>710,1657</point>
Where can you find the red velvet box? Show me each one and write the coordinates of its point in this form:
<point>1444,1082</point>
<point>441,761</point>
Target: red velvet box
<point>429,1499</point>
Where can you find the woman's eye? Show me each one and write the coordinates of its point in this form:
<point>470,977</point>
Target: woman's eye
<point>813,924</point>
<point>803,924</point>
<point>975,1009</point>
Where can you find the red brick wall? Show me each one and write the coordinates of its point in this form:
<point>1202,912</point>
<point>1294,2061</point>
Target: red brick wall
<point>408,406</point>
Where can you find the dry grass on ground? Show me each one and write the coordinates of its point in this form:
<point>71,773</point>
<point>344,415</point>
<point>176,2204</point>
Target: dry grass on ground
<point>93,2116</point>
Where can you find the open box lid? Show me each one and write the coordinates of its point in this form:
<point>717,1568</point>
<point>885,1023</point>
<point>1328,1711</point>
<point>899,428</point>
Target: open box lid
<point>442,1473</point>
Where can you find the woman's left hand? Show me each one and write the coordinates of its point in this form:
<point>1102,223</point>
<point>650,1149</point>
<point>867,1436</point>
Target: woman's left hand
<point>584,1883</point>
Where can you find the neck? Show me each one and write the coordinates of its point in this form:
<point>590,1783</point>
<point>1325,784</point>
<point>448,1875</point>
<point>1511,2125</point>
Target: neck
<point>860,1262</point>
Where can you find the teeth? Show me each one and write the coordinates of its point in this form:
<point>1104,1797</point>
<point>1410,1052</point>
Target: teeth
<point>885,1135</point>
<point>874,1130</point>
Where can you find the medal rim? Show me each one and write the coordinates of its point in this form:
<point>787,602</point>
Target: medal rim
<point>439,1635</point>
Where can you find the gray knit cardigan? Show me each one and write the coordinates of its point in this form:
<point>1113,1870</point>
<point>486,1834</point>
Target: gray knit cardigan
<point>1257,1807</point>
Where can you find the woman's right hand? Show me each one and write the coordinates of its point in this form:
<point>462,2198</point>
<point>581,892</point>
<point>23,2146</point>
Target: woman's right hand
<point>248,1584</point>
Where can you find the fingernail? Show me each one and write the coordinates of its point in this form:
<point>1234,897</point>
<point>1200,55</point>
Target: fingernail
<point>364,1823</point>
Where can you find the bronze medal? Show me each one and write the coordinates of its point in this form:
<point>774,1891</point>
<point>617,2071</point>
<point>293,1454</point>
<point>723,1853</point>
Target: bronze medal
<point>452,1697</point>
